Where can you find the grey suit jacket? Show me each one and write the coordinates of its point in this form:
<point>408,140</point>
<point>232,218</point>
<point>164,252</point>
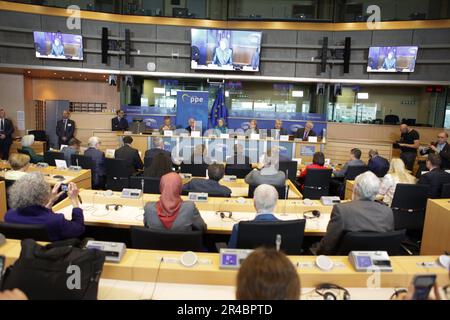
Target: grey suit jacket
<point>188,218</point>
<point>99,160</point>
<point>212,187</point>
<point>343,171</point>
<point>255,178</point>
<point>358,215</point>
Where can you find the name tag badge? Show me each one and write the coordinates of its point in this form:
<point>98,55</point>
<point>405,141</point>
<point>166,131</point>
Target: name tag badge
<point>224,135</point>
<point>284,138</point>
<point>312,139</point>
<point>254,136</point>
<point>168,133</point>
<point>69,124</point>
<point>195,133</point>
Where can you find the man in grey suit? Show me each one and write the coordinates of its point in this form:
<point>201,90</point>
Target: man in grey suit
<point>211,185</point>
<point>355,160</point>
<point>269,174</point>
<point>361,214</point>
<point>98,157</point>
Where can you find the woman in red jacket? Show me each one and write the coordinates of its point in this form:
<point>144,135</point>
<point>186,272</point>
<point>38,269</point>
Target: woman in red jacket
<point>318,163</point>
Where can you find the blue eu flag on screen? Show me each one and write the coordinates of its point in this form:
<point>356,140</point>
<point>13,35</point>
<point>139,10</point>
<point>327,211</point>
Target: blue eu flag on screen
<point>219,109</point>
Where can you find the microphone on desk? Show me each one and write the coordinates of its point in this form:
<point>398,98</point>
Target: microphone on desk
<point>286,191</point>
<point>77,162</point>
<point>142,189</point>
<point>278,242</point>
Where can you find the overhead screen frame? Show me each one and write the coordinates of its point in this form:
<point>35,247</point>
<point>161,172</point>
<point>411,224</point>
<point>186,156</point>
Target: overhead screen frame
<point>379,69</point>
<point>65,57</point>
<point>235,67</point>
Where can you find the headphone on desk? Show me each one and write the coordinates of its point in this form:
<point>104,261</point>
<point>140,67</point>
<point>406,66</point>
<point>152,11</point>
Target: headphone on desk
<point>326,290</point>
<point>311,214</point>
<point>113,206</point>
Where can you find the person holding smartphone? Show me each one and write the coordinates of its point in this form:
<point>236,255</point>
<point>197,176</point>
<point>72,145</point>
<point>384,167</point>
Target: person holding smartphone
<point>420,289</point>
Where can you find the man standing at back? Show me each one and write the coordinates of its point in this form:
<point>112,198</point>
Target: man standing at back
<point>409,143</point>
<point>65,128</point>
<point>130,155</point>
<point>6,131</point>
<point>119,123</point>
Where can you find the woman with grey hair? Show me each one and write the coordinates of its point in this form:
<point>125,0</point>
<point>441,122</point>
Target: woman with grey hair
<point>27,141</point>
<point>31,200</point>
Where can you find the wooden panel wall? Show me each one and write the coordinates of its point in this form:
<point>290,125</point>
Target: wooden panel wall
<point>339,150</point>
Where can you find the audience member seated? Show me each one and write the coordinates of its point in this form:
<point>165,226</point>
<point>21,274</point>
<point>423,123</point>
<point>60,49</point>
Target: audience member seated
<point>267,274</point>
<point>211,186</point>
<point>221,127</point>
<point>31,200</point>
<point>264,200</point>
<point>98,157</point>
<point>72,148</point>
<point>130,155</point>
<point>167,125</point>
<point>377,164</point>
<point>269,174</point>
<point>19,164</point>
<point>440,147</point>
<point>27,141</point>
<point>360,214</point>
<point>171,212</point>
<point>355,160</point>
<point>318,163</point>
<point>397,174</point>
<point>435,178</point>
<point>158,147</point>
<point>159,166</point>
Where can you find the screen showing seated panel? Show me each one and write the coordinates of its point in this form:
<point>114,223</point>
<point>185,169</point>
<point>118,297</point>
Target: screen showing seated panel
<point>226,50</point>
<point>56,45</point>
<point>392,59</point>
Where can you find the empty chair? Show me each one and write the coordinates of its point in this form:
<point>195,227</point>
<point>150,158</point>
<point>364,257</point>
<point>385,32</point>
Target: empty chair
<point>117,174</point>
<point>24,231</point>
<point>408,205</point>
<point>51,156</point>
<point>354,171</point>
<point>151,184</point>
<point>84,162</point>
<point>283,191</point>
<point>391,119</point>
<point>317,183</point>
<point>289,168</point>
<point>237,170</point>
<point>372,241</point>
<point>253,234</point>
<point>147,238</point>
<point>197,170</point>
<point>445,194</point>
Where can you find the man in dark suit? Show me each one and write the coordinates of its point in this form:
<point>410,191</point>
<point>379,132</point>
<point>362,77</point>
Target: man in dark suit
<point>277,130</point>
<point>130,155</point>
<point>158,147</point>
<point>119,123</point>
<point>211,186</point>
<point>98,157</point>
<point>191,125</point>
<point>361,214</point>
<point>307,131</point>
<point>6,131</point>
<point>65,128</point>
<point>377,164</point>
<point>435,178</point>
<point>442,148</point>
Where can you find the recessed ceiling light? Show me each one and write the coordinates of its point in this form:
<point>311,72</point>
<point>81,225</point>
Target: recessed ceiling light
<point>70,77</point>
<point>29,71</point>
<point>104,76</point>
<point>54,73</point>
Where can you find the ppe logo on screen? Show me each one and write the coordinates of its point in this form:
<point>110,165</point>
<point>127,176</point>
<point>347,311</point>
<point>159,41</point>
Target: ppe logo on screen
<point>245,125</point>
<point>295,127</point>
<point>192,99</point>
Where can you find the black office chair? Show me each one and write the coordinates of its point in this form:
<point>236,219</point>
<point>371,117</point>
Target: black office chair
<point>372,241</point>
<point>239,171</point>
<point>147,238</point>
<point>289,168</point>
<point>84,162</point>
<point>39,135</point>
<point>24,231</point>
<point>391,119</point>
<point>408,206</point>
<point>283,192</point>
<point>151,184</point>
<point>317,183</point>
<point>422,166</point>
<point>254,234</point>
<point>51,156</point>
<point>117,174</point>
<point>445,193</point>
<point>197,170</point>
<point>354,171</point>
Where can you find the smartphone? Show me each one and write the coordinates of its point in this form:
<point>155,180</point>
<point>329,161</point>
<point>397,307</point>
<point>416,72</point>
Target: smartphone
<point>423,285</point>
<point>64,187</point>
<point>2,266</point>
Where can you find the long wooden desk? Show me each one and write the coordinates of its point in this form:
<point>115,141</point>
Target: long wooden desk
<point>143,265</point>
<point>131,214</point>
<point>81,178</point>
<point>2,199</point>
<point>436,230</point>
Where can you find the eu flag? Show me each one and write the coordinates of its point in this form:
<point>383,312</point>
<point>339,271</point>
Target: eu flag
<point>218,110</point>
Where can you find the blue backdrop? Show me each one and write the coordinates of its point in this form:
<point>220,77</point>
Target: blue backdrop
<point>192,104</point>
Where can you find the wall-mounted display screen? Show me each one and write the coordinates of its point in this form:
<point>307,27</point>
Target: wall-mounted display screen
<point>227,50</point>
<point>56,45</point>
<point>392,59</point>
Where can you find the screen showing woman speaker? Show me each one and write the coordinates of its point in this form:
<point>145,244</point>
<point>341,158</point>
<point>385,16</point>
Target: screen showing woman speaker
<point>56,45</point>
<point>392,59</point>
<point>227,50</point>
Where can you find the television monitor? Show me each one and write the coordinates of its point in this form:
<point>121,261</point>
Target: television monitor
<point>56,45</point>
<point>226,50</point>
<point>392,59</point>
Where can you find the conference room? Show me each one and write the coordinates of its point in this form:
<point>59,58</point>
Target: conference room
<point>225,150</point>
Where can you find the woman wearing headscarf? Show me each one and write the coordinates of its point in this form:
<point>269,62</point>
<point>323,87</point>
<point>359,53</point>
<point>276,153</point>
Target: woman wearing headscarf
<point>171,212</point>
